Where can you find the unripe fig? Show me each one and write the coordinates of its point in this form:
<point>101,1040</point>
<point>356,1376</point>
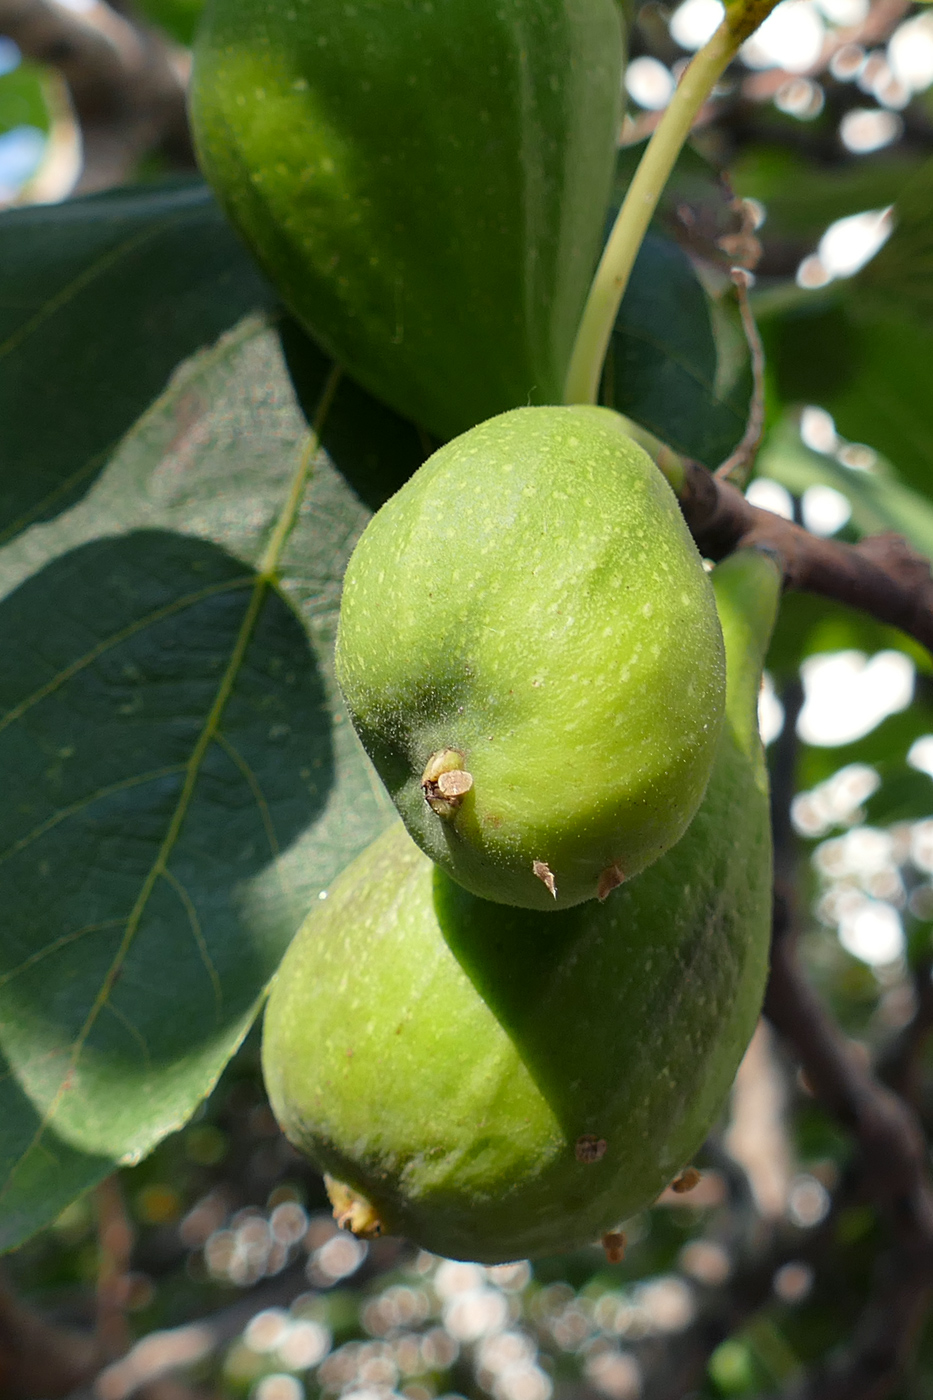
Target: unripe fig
<point>498,1084</point>
<point>424,181</point>
<point>529,649</point>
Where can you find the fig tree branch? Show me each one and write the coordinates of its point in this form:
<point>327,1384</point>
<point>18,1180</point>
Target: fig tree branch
<point>882,574</point>
<point>893,1175</point>
<point>898,1066</point>
<point>127,83</point>
<point>891,1169</point>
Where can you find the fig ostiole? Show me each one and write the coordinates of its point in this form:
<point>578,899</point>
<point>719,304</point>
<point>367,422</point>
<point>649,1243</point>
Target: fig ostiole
<point>497,1084</point>
<point>445,782</point>
<point>541,690</point>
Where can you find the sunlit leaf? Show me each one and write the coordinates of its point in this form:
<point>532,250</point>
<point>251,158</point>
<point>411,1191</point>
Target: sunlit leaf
<point>181,781</point>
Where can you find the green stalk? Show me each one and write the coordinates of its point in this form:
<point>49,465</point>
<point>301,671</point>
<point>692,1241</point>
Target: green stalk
<point>589,351</point>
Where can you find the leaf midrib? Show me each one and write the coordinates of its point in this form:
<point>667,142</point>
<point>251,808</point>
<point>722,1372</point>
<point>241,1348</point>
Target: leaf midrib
<point>266,578</point>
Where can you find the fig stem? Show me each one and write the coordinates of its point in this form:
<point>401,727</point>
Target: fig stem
<point>641,199</point>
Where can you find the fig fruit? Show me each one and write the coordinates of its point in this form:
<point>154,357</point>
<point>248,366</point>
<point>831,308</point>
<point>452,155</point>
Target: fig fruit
<point>529,649</point>
<point>497,1084</point>
<point>425,183</point>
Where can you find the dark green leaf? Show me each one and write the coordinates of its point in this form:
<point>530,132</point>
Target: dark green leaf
<point>181,780</point>
<point>678,361</point>
<point>900,276</point>
<point>137,818</point>
<point>99,300</point>
<point>904,796</point>
<point>808,625</point>
<point>801,199</point>
<point>863,348</point>
<point>886,402</point>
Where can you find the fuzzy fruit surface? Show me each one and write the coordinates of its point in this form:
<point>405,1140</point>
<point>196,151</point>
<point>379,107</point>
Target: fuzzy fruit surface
<point>532,601</point>
<point>497,1084</point>
<point>426,184</point>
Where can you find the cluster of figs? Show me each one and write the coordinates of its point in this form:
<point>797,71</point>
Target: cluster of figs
<point>515,1016</point>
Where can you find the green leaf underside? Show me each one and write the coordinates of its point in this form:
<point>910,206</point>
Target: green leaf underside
<point>181,781</point>
<point>100,298</point>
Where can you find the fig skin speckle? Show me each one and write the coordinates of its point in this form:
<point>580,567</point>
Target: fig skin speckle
<point>532,600</point>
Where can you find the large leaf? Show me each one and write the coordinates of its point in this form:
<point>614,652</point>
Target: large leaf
<point>871,371</point>
<point>180,780</point>
<point>900,276</point>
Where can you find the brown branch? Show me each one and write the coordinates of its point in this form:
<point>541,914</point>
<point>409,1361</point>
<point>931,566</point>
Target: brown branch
<point>881,574</point>
<point>39,1359</point>
<point>890,1140</point>
<point>892,1166</point>
<point>115,1245</point>
<point>127,83</point>
<point>898,1065</point>
<point>892,1173</point>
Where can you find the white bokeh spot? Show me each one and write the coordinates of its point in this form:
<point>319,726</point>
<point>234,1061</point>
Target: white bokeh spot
<point>791,38</point>
<point>695,21</point>
<point>649,83</point>
<point>847,694</point>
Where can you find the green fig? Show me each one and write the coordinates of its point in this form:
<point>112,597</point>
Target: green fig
<point>425,182</point>
<point>496,1084</point>
<point>529,649</point>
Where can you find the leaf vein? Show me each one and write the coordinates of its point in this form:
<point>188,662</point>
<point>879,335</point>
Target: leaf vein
<point>255,788</point>
<point>133,1031</point>
<point>124,785</point>
<point>107,643</point>
<point>71,289</point>
<point>264,580</point>
<point>51,948</point>
<point>198,934</point>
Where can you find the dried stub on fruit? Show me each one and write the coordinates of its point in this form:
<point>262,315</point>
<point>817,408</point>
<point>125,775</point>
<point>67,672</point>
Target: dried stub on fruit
<point>530,652</point>
<point>497,1084</point>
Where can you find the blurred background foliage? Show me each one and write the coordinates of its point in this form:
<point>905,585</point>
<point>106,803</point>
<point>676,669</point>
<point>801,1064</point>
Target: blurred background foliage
<point>812,163</point>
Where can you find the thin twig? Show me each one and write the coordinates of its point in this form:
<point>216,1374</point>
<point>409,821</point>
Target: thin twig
<point>115,1245</point>
<point>738,465</point>
<point>898,1066</point>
